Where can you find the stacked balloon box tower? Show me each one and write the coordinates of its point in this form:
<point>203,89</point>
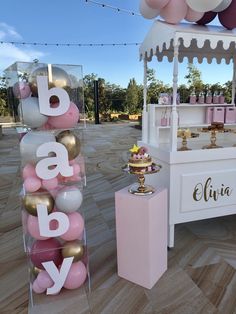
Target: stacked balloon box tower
<point>48,100</point>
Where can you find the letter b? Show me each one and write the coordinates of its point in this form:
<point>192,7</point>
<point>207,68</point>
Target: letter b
<point>44,98</point>
<point>44,222</point>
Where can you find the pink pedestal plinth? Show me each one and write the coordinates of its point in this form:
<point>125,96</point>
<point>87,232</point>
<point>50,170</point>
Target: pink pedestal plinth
<point>141,233</point>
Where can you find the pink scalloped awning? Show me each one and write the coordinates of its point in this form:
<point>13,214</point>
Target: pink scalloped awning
<point>195,41</point>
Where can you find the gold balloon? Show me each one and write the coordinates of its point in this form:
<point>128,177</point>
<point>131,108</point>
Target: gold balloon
<point>70,141</point>
<point>35,271</point>
<point>59,79</point>
<point>30,202</point>
<point>73,249</point>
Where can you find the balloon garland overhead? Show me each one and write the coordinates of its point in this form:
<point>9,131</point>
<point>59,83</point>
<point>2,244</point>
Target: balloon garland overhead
<point>200,11</point>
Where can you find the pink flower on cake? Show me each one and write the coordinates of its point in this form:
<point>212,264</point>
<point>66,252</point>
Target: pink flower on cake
<point>142,150</point>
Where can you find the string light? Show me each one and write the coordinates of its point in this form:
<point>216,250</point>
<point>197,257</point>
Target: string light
<point>104,5</point>
<point>68,44</point>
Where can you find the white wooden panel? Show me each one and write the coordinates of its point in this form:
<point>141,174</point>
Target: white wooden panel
<point>207,190</point>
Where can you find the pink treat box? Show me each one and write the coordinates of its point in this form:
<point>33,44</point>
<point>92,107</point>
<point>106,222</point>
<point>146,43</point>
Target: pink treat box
<point>219,114</point>
<point>141,233</point>
<point>209,115</point>
<point>230,115</point>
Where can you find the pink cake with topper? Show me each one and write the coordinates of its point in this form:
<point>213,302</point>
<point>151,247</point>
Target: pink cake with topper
<point>140,160</point>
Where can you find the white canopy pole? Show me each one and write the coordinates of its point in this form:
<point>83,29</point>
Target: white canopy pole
<point>174,114</point>
<point>145,109</point>
<point>233,81</point>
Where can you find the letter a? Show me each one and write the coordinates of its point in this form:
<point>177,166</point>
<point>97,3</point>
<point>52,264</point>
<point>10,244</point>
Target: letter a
<point>44,98</point>
<point>60,162</point>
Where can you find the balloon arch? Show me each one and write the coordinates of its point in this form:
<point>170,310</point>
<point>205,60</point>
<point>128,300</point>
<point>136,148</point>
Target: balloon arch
<point>201,12</point>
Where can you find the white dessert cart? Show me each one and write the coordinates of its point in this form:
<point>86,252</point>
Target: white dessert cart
<point>201,182</point>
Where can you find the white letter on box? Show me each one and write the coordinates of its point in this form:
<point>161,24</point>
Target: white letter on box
<point>44,220</point>
<point>44,95</point>
<point>59,277</point>
<point>60,162</point>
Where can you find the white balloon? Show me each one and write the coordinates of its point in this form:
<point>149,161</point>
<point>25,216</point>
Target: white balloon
<point>224,5</point>
<point>69,199</point>
<point>193,16</point>
<point>203,5</point>
<point>146,11</point>
<point>30,143</point>
<point>32,117</point>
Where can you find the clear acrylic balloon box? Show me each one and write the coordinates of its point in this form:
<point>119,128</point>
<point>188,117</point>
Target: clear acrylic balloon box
<point>32,83</point>
<point>54,238</point>
<point>53,176</point>
<point>57,264</point>
<point>50,159</point>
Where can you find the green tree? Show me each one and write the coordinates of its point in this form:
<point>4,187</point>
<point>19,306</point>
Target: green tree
<point>217,88</point>
<point>227,90</point>
<point>184,93</point>
<point>89,93</point>
<point>4,109</point>
<point>104,102</point>
<point>194,79</point>
<point>117,95</point>
<point>154,87</point>
<point>132,98</point>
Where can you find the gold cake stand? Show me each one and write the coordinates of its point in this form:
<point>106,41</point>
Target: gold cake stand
<point>184,137</point>
<point>213,138</point>
<point>140,188</point>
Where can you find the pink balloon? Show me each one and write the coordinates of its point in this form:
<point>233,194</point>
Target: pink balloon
<point>174,11</point>
<point>46,126</point>
<point>54,192</point>
<point>76,276</point>
<point>146,11</point>
<point>36,288</point>
<point>193,16</point>
<point>28,171</point>
<point>207,18</point>
<point>60,178</point>
<point>76,227</point>
<point>44,280</point>
<point>32,184</point>
<point>50,184</point>
<point>66,120</point>
<point>157,4</point>
<point>76,169</point>
<point>227,17</point>
<point>45,251</point>
<point>21,90</point>
<point>75,178</point>
<point>72,162</point>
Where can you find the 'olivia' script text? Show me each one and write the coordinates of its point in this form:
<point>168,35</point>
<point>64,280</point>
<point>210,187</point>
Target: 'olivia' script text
<point>207,192</point>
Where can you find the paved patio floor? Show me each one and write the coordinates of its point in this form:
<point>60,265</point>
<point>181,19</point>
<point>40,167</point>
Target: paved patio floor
<point>201,275</point>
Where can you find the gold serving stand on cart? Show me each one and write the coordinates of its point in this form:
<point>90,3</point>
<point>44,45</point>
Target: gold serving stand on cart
<point>213,130</point>
<point>185,134</point>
